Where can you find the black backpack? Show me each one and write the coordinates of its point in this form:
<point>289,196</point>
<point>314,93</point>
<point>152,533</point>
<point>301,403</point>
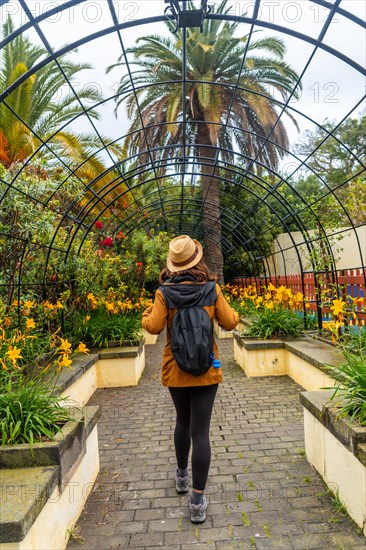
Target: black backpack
<point>191,332</point>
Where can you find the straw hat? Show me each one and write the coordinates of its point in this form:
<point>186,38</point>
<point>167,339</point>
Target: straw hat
<point>184,253</point>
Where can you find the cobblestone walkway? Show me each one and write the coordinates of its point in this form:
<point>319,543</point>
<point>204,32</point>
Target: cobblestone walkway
<point>263,494</point>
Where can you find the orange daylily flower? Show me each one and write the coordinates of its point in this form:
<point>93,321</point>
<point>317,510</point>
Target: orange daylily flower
<point>65,346</point>
<point>64,362</point>
<point>82,348</point>
<point>338,307</point>
<point>14,354</point>
<point>30,323</point>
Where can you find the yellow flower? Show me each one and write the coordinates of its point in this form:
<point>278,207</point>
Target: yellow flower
<point>269,305</point>
<point>109,306</point>
<point>338,307</point>
<point>258,301</point>
<point>47,304</point>
<point>30,323</point>
<point>29,304</point>
<point>82,348</point>
<point>3,366</point>
<point>87,318</point>
<point>59,305</point>
<point>14,354</point>
<point>65,346</point>
<point>64,362</point>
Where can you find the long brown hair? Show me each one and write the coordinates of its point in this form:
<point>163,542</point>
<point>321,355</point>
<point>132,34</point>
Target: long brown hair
<point>200,272</point>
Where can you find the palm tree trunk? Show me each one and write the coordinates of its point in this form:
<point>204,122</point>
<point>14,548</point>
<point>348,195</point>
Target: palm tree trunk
<point>211,206</point>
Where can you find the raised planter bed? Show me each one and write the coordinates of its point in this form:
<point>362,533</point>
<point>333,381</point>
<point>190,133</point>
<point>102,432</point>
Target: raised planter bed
<point>336,448</point>
<point>223,334</point>
<point>120,366</point>
<point>303,359</point>
<point>41,503</point>
<point>111,367</point>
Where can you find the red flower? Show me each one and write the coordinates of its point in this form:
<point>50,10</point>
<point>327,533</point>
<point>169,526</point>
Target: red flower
<point>98,225</point>
<point>107,242</point>
<point>139,264</point>
<point>120,236</point>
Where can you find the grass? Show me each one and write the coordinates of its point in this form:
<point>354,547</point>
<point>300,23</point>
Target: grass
<point>276,322</point>
<point>258,505</point>
<point>74,534</point>
<point>29,412</point>
<point>338,504</point>
<point>266,530</point>
<point>350,391</point>
<point>240,496</point>
<point>103,328</point>
<point>245,519</point>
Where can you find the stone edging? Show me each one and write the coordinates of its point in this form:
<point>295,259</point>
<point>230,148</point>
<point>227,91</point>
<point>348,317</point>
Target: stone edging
<point>82,363</point>
<point>292,345</point>
<point>37,482</point>
<point>336,447</point>
<point>351,434</point>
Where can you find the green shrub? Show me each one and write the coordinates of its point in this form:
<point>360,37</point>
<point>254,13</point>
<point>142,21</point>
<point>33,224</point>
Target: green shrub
<point>29,412</point>
<point>276,322</point>
<point>354,339</point>
<point>350,389</point>
<point>103,327</point>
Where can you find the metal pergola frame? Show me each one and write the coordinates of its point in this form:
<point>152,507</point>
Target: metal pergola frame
<point>166,202</point>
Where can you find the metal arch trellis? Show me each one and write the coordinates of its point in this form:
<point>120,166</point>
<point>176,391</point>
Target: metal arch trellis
<point>100,198</point>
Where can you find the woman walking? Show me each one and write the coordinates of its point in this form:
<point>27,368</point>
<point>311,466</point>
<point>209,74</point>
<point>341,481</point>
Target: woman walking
<point>186,281</point>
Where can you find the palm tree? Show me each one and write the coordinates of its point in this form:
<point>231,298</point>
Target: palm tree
<point>42,112</point>
<point>38,104</point>
<point>214,67</point>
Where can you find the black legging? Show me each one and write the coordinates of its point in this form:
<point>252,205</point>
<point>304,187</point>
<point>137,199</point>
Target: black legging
<point>194,407</point>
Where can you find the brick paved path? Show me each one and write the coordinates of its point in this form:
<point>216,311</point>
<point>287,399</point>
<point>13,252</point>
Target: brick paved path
<point>263,494</point>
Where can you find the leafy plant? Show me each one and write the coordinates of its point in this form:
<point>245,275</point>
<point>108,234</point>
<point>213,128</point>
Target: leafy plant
<point>29,411</point>
<point>350,388</point>
<point>354,339</point>
<point>102,327</point>
<point>276,322</point>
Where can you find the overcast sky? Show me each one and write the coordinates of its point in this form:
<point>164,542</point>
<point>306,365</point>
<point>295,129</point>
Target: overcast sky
<point>330,87</point>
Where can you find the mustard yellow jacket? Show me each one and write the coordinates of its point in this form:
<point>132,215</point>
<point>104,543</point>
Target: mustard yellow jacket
<point>154,319</point>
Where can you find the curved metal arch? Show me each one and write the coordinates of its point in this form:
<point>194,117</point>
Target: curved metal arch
<point>175,201</point>
<point>44,143</point>
<point>269,206</point>
<point>281,221</point>
<point>273,192</point>
<point>151,180</point>
<point>159,19</point>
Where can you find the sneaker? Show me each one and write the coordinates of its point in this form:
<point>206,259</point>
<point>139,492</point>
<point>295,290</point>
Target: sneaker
<point>198,511</point>
<point>181,484</point>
